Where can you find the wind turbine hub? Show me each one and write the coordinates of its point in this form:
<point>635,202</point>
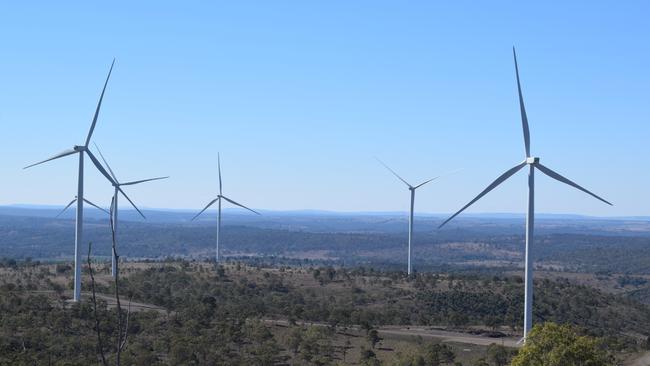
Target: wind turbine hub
<point>531,161</point>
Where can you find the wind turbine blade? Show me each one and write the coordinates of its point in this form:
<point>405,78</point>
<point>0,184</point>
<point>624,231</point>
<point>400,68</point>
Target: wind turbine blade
<point>524,117</point>
<point>562,179</point>
<point>219,166</point>
<point>240,205</point>
<point>105,162</point>
<point>131,202</point>
<point>100,167</point>
<point>95,206</point>
<point>438,177</point>
<point>59,155</point>
<point>392,171</point>
<point>205,208</point>
<point>141,181</point>
<point>494,184</point>
<point>99,105</point>
<point>66,207</point>
<point>425,182</point>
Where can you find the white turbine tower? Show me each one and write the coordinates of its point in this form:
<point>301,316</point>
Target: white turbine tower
<point>218,199</point>
<point>86,201</point>
<point>78,241</point>
<point>532,162</point>
<point>412,189</point>
<point>117,190</point>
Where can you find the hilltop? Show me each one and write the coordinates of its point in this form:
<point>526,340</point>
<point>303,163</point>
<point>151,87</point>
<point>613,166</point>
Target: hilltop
<point>299,315</point>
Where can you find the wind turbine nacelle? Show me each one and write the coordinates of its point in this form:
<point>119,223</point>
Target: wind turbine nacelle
<point>79,148</point>
<point>532,160</point>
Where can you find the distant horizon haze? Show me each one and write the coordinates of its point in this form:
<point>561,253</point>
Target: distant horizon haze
<point>317,212</point>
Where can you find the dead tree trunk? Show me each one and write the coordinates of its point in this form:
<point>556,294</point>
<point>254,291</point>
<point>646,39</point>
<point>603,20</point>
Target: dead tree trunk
<point>100,343</point>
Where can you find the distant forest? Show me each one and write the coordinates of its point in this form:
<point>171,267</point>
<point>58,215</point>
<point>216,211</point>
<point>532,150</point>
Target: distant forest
<point>614,247</point>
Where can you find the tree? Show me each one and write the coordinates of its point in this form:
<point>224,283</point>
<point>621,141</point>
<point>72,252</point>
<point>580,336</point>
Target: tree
<point>100,344</point>
<point>365,325</point>
<point>294,339</point>
<point>331,272</point>
<point>369,358</point>
<point>346,346</point>
<point>316,346</point>
<point>433,354</point>
<point>550,344</point>
<point>122,322</point>
<point>261,347</point>
<point>498,355</point>
<point>481,362</point>
<point>373,337</point>
<point>437,353</point>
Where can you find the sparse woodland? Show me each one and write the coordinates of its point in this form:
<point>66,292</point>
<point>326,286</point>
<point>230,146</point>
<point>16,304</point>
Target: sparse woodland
<point>236,314</point>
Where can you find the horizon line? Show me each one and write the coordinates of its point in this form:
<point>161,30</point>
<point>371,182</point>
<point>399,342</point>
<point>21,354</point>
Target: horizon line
<point>344,212</point>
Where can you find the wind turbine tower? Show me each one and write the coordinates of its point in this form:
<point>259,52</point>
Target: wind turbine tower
<point>218,200</point>
<point>532,163</point>
<point>81,150</point>
<point>117,186</point>
<point>412,189</point>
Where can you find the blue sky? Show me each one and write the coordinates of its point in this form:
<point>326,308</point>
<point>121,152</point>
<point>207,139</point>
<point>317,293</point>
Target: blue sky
<point>299,96</point>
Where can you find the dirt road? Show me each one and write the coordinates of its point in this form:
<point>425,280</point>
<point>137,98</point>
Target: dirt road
<point>110,301</point>
<point>424,332</point>
<point>135,306</point>
<point>449,336</point>
<point>642,360</point>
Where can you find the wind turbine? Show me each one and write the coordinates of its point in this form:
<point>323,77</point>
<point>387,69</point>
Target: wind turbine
<point>532,162</point>
<point>117,190</point>
<point>78,241</point>
<point>86,201</point>
<point>218,199</point>
<point>412,189</point>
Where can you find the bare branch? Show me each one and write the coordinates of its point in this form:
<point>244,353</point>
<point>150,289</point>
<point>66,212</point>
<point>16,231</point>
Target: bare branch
<point>100,346</point>
<point>126,327</point>
<point>122,328</point>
